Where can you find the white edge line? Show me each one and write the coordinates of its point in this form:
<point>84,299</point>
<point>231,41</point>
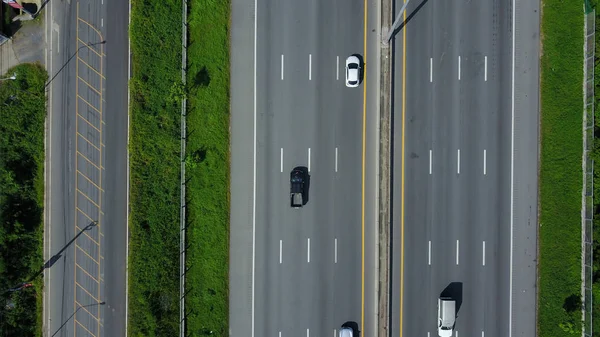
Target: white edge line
<point>309,159</point>
<point>254,170</point>
<point>483,260</point>
<point>485,70</point>
<point>457,251</point>
<point>309,67</point>
<point>431,69</point>
<point>281,160</point>
<point>335,251</point>
<point>512,170</point>
<point>128,173</point>
<point>282,67</point>
<point>484,162</point>
<point>458,162</point>
<point>430,161</point>
<point>47,173</point>
<point>429,253</point>
<point>308,251</point>
<point>336,159</point>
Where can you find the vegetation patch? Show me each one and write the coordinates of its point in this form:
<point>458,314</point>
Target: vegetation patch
<point>155,34</point>
<point>207,168</point>
<point>22,117</point>
<point>596,158</point>
<point>560,173</point>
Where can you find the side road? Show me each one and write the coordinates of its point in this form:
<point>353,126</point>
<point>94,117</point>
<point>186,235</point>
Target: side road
<point>26,46</point>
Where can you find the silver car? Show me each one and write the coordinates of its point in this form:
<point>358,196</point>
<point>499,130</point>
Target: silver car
<point>352,71</point>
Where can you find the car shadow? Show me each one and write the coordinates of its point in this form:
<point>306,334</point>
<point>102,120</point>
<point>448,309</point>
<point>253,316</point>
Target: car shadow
<point>454,291</point>
<point>354,326</point>
<point>361,75</point>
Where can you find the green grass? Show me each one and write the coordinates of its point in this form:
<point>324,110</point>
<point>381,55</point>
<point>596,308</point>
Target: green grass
<point>561,175</point>
<point>155,34</point>
<point>207,168</point>
<point>22,117</point>
<point>596,157</point>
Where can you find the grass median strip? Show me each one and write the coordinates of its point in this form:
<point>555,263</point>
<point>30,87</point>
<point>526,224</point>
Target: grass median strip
<point>155,34</point>
<point>22,117</point>
<point>207,168</point>
<point>560,173</point>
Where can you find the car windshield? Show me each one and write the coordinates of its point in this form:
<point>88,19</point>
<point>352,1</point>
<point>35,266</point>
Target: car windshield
<point>353,66</point>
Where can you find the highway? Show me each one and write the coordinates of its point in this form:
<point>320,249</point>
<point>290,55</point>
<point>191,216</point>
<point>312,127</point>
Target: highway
<point>465,167</point>
<point>303,272</point>
<point>86,169</point>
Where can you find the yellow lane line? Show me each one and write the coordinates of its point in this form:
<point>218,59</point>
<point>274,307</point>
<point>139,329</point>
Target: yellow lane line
<point>86,253</point>
<point>88,160</point>
<point>89,141</point>
<point>89,104</point>
<point>86,235</point>
<point>89,123</point>
<point>87,65</point>
<point>88,198</point>
<point>90,48</point>
<point>91,182</point>
<point>92,27</point>
<point>88,274</point>
<point>89,85</point>
<point>86,291</point>
<point>86,215</point>
<point>86,310</point>
<point>402,175</point>
<point>86,329</point>
<point>364,137</point>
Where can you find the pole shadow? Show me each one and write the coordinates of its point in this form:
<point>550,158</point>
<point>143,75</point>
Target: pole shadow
<point>73,314</point>
<point>409,17</point>
<point>58,255</point>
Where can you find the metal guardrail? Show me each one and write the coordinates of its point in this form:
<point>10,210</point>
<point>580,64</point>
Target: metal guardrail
<point>588,175</point>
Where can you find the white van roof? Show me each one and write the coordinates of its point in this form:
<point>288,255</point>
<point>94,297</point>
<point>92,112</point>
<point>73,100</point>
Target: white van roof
<point>448,312</point>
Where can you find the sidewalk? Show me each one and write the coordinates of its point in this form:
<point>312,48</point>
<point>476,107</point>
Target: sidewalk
<point>26,46</point>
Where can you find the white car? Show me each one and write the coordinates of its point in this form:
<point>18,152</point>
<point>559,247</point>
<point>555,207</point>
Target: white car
<point>346,332</point>
<point>352,71</point>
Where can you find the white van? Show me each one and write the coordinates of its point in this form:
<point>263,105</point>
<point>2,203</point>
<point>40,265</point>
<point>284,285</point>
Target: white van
<point>446,316</point>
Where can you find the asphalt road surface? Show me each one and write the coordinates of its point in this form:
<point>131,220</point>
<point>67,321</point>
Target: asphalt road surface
<point>86,204</point>
<point>303,272</point>
<point>461,122</point>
